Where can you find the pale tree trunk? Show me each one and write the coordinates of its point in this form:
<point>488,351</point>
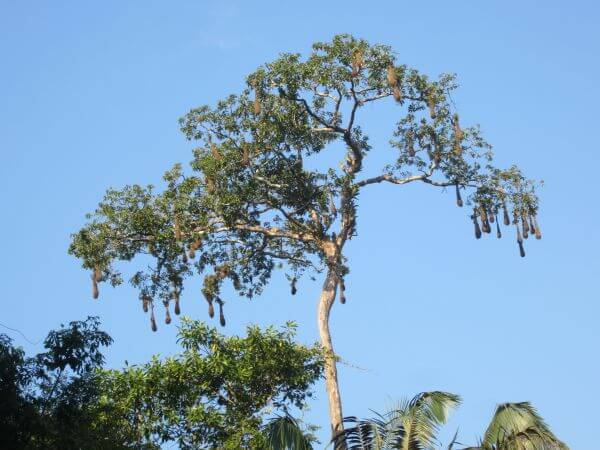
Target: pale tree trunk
<point>331,380</point>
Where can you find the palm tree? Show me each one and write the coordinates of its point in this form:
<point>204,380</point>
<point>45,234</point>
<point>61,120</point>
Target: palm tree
<point>518,426</point>
<point>414,424</point>
<point>285,433</point>
<point>411,426</point>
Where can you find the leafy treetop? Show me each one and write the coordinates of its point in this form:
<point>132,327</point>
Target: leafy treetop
<point>218,393</point>
<point>256,199</point>
<point>49,400</point>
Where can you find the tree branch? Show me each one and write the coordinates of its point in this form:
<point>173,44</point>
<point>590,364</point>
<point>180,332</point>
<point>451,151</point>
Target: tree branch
<point>311,113</point>
<point>269,232</point>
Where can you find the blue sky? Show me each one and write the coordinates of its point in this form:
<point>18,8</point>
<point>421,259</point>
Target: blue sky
<point>90,93</point>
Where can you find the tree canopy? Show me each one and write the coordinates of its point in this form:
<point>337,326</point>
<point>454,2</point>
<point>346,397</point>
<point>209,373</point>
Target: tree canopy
<point>253,199</point>
<point>219,393</point>
<point>47,401</point>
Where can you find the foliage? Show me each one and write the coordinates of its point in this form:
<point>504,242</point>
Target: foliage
<point>518,426</point>
<point>410,426</point>
<point>17,413</point>
<point>219,392</point>
<point>285,432</point>
<point>276,178</point>
<point>414,425</point>
<point>47,401</point>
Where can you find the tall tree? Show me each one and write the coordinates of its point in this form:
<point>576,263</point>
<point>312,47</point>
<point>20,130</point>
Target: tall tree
<point>276,179</point>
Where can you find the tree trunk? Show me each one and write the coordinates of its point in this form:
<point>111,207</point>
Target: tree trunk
<point>331,381</point>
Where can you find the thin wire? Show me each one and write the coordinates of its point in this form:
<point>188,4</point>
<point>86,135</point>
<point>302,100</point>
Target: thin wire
<point>18,331</point>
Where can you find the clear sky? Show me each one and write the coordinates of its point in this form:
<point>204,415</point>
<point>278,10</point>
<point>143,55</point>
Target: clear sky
<point>90,94</point>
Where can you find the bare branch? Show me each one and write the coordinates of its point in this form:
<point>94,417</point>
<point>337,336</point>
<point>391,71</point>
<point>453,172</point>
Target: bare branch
<point>269,232</point>
<point>323,130</point>
<point>390,179</point>
<point>376,97</point>
<point>325,95</point>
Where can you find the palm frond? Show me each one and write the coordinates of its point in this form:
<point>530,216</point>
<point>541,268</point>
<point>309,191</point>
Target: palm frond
<point>531,439</point>
<point>423,417</point>
<point>364,434</point>
<point>412,425</point>
<point>436,404</point>
<point>454,441</point>
<point>285,433</point>
<point>519,426</point>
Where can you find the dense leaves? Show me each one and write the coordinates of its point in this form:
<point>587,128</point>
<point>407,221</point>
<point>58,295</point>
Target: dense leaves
<point>217,394</point>
<point>220,393</point>
<point>257,197</point>
<point>49,400</point>
<point>18,413</point>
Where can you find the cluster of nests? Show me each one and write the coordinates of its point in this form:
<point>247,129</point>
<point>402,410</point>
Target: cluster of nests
<point>148,304</point>
<point>147,301</point>
<point>526,224</point>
